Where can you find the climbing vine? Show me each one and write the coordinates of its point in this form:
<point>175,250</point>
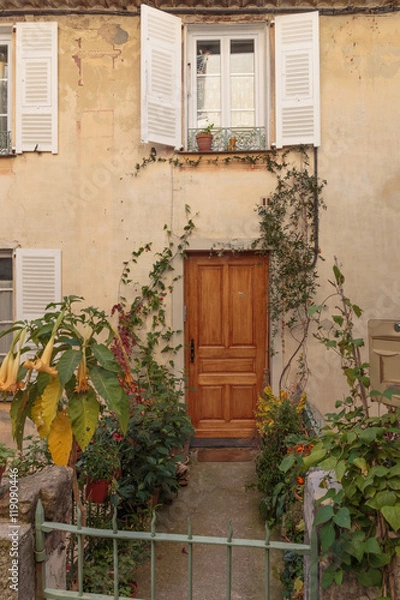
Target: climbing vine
<point>289,234</point>
<point>289,223</point>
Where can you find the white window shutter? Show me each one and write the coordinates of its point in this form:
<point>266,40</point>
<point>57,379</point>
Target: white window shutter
<point>161,85</point>
<point>37,281</point>
<point>37,87</point>
<point>297,79</point>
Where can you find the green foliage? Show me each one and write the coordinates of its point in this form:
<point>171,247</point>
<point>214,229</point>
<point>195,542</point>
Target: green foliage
<point>338,335</point>
<point>157,433</point>
<point>359,515</point>
<point>5,454</point>
<point>98,558</point>
<point>359,525</point>
<point>101,459</point>
<point>33,457</point>
<point>277,418</point>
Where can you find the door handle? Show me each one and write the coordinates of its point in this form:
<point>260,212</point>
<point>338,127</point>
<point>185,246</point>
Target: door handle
<point>192,351</point>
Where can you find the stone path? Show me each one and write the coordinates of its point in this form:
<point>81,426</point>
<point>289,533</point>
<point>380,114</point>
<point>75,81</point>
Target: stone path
<point>216,494</point>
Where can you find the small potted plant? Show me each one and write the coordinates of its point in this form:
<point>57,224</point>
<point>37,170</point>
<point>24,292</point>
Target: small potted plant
<point>204,138</point>
<point>100,462</point>
<point>5,454</point>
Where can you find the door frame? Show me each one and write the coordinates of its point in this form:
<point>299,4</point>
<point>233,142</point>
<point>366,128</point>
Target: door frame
<point>266,360</point>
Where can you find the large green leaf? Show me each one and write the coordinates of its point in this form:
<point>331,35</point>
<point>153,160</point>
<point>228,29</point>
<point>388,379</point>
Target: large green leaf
<point>342,518</point>
<point>287,463</point>
<point>370,434</point>
<point>105,357</point>
<point>372,546</point>
<point>67,364</point>
<point>370,578</point>
<point>392,515</point>
<point>324,514</point>
<point>327,536</point>
<point>386,498</point>
<point>19,411</point>
<point>109,388</point>
<point>340,469</point>
<point>83,411</point>
<point>314,457</point>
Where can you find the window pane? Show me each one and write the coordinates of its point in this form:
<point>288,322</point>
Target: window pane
<point>208,83</point>
<point>3,89</point>
<point>242,82</point>
<point>3,62</point>
<point>6,269</point>
<point>6,302</point>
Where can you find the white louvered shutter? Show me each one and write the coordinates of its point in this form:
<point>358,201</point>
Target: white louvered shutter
<point>36,87</point>
<point>161,96</point>
<point>297,79</point>
<point>38,281</point>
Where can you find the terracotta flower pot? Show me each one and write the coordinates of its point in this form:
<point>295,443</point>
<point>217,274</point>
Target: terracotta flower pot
<point>204,141</point>
<point>97,490</point>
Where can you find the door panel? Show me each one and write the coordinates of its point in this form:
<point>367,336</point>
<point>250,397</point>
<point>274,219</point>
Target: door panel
<point>225,335</point>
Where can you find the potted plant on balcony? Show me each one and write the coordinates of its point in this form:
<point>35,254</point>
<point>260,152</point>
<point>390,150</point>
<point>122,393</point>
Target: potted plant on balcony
<point>5,454</point>
<point>204,138</point>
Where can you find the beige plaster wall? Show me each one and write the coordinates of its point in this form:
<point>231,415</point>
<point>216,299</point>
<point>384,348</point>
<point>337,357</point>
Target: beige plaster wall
<point>87,201</point>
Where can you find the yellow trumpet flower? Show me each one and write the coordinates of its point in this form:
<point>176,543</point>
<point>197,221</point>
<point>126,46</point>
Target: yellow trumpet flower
<point>42,364</point>
<point>10,366</point>
<point>82,385</point>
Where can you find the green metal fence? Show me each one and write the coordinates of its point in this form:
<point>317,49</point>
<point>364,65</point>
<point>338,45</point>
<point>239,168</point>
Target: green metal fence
<point>153,538</point>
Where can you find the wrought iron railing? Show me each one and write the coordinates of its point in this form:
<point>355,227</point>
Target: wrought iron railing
<point>5,143</point>
<point>231,139</point>
<point>154,538</point>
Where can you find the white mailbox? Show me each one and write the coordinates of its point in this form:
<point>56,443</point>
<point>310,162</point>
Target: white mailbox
<point>384,357</point>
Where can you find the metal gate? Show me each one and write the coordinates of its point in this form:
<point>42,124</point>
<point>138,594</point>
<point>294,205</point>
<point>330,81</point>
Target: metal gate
<point>153,538</point>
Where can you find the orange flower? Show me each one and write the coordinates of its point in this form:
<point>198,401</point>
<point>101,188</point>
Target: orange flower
<point>300,480</point>
<point>299,449</point>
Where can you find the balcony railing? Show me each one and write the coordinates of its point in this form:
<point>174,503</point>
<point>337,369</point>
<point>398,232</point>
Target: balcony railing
<point>231,139</point>
<point>5,143</point>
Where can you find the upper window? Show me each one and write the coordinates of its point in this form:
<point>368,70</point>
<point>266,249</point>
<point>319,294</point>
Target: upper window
<point>229,82</point>
<point>33,106</point>
<point>223,68</point>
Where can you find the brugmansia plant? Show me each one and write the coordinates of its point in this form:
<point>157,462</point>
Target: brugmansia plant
<point>70,375</point>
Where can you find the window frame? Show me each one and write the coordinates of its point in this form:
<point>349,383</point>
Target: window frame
<point>7,322</point>
<point>257,32</point>
<point>6,39</point>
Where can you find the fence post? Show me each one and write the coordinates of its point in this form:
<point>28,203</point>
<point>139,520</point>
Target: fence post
<point>314,565</point>
<point>40,552</point>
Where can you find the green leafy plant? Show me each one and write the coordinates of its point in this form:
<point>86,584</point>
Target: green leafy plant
<point>72,373</point>
<point>339,336</point>
<point>207,129</point>
<point>102,457</point>
<point>279,422</point>
<point>5,454</point>
<point>157,433</point>
<point>33,457</point>
<point>359,514</point>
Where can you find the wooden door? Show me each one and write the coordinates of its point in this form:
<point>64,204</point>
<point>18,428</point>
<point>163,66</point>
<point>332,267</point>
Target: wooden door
<point>225,338</point>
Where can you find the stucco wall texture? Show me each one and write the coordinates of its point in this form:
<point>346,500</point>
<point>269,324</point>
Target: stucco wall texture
<point>87,201</point>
